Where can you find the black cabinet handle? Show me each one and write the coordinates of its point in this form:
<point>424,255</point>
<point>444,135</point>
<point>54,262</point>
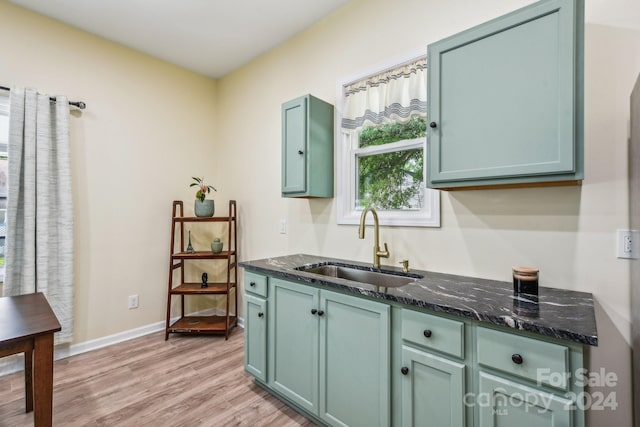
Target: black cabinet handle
<point>427,333</point>
<point>261,314</point>
<point>314,311</point>
<point>404,370</point>
<point>300,152</point>
<point>320,313</point>
<point>433,125</point>
<point>517,359</point>
<point>252,284</point>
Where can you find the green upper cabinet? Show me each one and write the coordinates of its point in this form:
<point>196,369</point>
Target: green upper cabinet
<point>307,148</point>
<point>506,100</point>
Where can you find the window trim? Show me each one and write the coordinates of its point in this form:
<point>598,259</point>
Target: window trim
<point>428,216</point>
<point>4,111</point>
<point>391,147</point>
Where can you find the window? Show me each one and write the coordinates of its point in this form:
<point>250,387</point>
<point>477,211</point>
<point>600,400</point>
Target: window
<point>382,137</point>
<point>4,143</point>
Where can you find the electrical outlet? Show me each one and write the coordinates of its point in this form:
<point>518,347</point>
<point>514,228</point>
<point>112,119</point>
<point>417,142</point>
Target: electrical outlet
<point>628,244</point>
<point>133,301</point>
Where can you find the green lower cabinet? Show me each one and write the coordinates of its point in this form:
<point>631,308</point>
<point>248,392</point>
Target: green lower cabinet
<point>329,354</point>
<point>293,343</point>
<point>506,403</point>
<point>255,336</point>
<point>354,361</point>
<point>433,390</point>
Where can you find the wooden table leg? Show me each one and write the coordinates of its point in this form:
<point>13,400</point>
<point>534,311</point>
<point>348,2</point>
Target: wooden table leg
<point>24,346</point>
<point>43,380</point>
<point>28,379</point>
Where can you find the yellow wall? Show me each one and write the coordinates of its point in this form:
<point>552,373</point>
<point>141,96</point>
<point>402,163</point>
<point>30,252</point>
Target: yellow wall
<point>149,126</point>
<point>569,233</point>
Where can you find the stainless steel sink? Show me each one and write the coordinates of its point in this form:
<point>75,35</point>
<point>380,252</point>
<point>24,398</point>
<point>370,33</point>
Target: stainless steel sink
<point>375,278</point>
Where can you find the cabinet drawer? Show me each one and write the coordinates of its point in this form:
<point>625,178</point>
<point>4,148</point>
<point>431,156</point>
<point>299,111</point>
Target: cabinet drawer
<point>433,332</point>
<point>255,283</point>
<point>538,361</point>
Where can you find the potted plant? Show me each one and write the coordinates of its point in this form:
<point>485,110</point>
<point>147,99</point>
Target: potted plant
<point>203,207</point>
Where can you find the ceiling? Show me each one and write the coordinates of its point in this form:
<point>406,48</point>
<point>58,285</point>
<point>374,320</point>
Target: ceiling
<point>210,37</point>
<point>214,37</point>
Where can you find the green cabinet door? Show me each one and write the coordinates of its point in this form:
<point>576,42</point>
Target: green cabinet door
<point>329,354</point>
<point>294,146</point>
<point>506,99</point>
<point>293,342</point>
<point>255,336</point>
<point>433,390</point>
<point>354,361</point>
<point>505,403</point>
<point>307,148</point>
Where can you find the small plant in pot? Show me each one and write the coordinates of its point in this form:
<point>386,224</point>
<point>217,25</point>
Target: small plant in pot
<point>203,207</point>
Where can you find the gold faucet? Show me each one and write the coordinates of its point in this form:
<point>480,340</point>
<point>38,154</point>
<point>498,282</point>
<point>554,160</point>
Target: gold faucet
<point>377,253</point>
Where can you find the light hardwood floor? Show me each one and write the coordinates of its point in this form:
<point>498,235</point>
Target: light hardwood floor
<point>185,381</point>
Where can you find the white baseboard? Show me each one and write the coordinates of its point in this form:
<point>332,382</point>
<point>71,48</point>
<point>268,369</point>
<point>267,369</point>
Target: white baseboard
<point>15,363</point>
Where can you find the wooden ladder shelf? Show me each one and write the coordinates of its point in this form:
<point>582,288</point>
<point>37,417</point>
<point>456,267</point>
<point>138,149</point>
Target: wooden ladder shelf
<point>179,256</point>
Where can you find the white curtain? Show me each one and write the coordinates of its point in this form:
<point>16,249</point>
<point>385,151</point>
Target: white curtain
<point>39,251</point>
<point>393,95</point>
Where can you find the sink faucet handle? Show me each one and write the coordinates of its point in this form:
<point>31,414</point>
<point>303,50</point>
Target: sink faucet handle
<point>385,253</point>
<point>405,265</point>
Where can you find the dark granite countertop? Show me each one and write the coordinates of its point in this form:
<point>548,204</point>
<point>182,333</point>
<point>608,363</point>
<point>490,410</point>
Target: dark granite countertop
<point>559,313</point>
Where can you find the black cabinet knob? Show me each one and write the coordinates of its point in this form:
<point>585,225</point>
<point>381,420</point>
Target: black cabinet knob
<point>252,284</point>
<point>404,370</point>
<point>427,333</point>
<point>300,152</point>
<point>261,314</point>
<point>320,313</point>
<point>433,125</point>
<point>314,311</point>
<point>517,359</point>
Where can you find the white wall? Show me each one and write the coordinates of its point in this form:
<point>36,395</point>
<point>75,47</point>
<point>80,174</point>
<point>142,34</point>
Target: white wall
<point>568,232</point>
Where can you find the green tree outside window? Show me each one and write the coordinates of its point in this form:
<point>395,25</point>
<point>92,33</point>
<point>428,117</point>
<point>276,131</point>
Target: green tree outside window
<point>391,180</point>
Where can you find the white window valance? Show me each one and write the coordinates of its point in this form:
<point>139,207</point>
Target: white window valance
<point>394,95</point>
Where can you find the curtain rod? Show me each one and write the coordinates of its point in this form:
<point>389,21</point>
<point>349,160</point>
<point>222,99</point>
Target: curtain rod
<point>81,105</point>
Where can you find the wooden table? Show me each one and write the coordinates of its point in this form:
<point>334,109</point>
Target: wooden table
<point>27,324</point>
